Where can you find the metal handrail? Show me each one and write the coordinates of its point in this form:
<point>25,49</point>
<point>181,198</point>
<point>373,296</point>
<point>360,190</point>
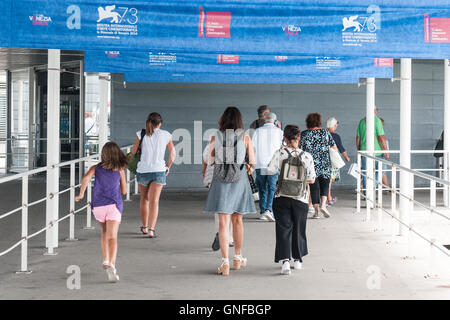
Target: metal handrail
<point>416,173</point>
<point>394,191</point>
<point>23,242</point>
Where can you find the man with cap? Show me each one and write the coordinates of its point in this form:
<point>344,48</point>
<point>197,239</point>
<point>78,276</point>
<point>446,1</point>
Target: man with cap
<point>266,140</point>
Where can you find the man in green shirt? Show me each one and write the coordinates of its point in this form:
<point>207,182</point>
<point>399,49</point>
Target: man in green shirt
<point>379,141</point>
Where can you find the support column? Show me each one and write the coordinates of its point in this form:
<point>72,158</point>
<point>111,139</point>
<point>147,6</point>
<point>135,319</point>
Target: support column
<point>370,141</point>
<point>446,127</point>
<point>53,147</point>
<point>103,111</point>
<point>406,179</point>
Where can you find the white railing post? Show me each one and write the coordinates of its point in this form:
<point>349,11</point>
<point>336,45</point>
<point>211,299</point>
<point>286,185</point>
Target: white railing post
<point>127,174</point>
<point>393,199</point>
<point>358,185</point>
<point>24,245</point>
<point>89,199</point>
<point>446,128</point>
<point>446,177</point>
<point>380,194</point>
<point>72,204</point>
<point>136,186</point>
<point>432,194</point>
<point>53,150</point>
<point>406,179</point>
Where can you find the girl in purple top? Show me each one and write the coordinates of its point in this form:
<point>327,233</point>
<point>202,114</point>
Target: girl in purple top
<point>106,204</point>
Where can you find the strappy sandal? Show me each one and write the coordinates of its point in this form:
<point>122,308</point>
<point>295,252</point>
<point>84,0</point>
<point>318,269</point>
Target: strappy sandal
<point>142,229</point>
<point>239,261</point>
<point>154,233</point>
<point>224,268</point>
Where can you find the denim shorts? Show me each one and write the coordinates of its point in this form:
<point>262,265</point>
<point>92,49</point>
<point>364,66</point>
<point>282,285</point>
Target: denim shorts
<point>148,177</point>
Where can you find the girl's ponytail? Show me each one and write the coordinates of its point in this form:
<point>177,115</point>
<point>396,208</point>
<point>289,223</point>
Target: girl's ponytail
<point>153,120</point>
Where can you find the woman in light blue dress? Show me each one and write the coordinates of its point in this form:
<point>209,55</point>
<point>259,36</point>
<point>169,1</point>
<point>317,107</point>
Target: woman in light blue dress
<point>231,200</point>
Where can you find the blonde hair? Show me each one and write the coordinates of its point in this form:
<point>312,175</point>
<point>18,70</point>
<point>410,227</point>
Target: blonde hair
<point>153,120</point>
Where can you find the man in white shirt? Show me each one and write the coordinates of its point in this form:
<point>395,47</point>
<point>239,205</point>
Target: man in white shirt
<point>266,140</point>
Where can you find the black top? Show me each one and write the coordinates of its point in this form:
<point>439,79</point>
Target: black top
<point>338,141</point>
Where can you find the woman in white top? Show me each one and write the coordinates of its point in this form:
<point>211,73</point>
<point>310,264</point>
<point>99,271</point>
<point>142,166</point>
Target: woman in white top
<point>291,211</point>
<point>152,170</point>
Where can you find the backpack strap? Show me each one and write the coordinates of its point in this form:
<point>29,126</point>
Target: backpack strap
<point>139,150</point>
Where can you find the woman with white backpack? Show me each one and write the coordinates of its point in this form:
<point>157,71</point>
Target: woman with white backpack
<point>230,195</point>
<point>290,204</point>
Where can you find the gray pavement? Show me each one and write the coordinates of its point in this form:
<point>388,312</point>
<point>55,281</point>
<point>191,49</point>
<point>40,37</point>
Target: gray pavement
<point>344,251</point>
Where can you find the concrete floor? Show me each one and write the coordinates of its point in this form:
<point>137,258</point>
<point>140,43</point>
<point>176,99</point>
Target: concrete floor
<point>344,251</point>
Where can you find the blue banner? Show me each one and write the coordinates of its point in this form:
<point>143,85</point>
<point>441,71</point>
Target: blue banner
<point>376,28</point>
<point>223,68</point>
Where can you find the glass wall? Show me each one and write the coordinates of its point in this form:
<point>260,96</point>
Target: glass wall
<point>20,120</point>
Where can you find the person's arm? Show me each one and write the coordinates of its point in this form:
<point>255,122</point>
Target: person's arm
<point>382,141</point>
<point>310,171</point>
<point>172,155</point>
<point>84,183</point>
<point>331,142</point>
<point>358,143</point>
<point>135,146</point>
<point>204,165</point>
<point>212,151</point>
<point>250,151</point>
<point>274,164</point>
<point>123,182</point>
<point>347,158</point>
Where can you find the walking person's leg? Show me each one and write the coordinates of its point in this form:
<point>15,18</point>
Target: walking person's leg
<point>363,174</point>
<point>224,237</point>
<point>261,182</point>
<point>272,186</point>
<point>144,207</point>
<point>310,205</point>
<point>324,185</point>
<point>215,245</point>
<point>299,243</point>
<point>315,197</point>
<point>238,235</point>
<point>112,228</point>
<point>105,250</point>
<point>154,192</point>
<point>231,235</point>
<point>283,232</point>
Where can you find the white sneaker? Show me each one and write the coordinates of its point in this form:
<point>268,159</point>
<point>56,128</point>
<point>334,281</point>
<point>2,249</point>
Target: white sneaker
<point>112,274</point>
<point>311,210</point>
<point>263,217</point>
<point>269,215</point>
<point>297,265</point>
<point>105,264</point>
<point>315,215</point>
<point>286,268</point>
<point>325,211</point>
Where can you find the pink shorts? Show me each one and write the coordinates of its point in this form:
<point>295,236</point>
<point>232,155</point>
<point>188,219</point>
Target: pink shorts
<point>107,213</point>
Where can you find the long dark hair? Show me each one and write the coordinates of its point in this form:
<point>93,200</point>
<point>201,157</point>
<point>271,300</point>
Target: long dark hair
<point>153,120</point>
<point>231,119</point>
<point>112,157</point>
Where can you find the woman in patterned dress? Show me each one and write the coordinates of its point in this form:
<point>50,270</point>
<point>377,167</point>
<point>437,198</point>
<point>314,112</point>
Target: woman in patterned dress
<point>317,141</point>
